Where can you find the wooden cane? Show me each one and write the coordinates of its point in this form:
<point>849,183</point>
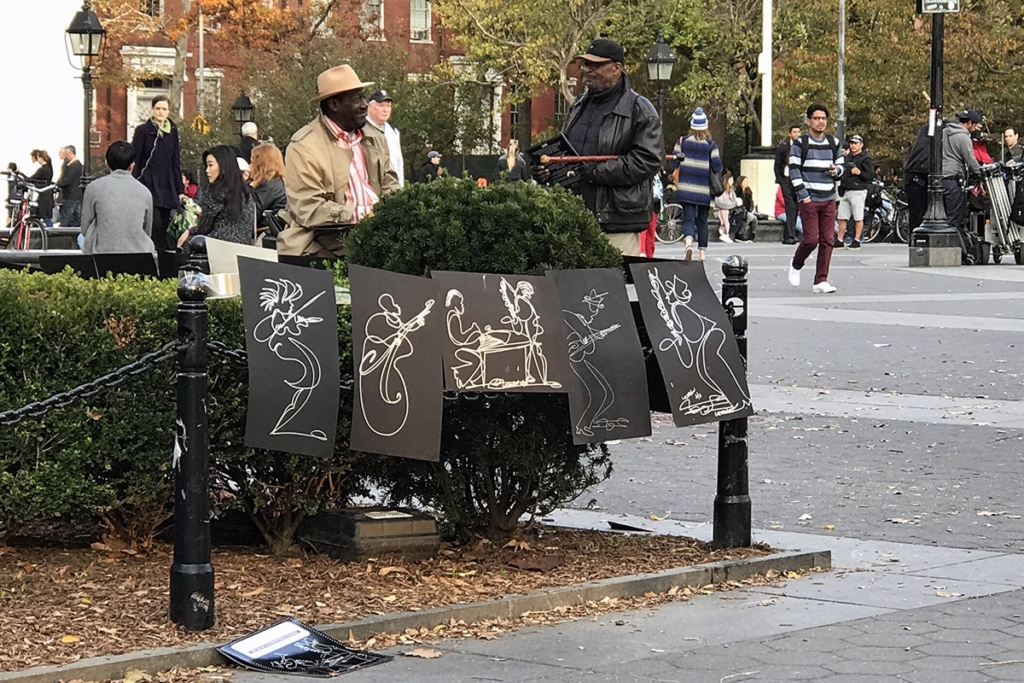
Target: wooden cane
<point>545,160</point>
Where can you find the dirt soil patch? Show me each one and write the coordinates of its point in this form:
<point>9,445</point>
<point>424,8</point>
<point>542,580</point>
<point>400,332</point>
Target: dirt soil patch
<point>59,606</point>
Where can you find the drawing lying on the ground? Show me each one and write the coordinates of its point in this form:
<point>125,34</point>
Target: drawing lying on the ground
<point>697,352</point>
<point>386,344</point>
<point>608,399</point>
<point>502,333</point>
<point>292,343</point>
<point>397,338</point>
<point>280,331</point>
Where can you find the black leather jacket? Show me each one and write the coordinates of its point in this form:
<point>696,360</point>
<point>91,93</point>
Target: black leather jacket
<point>625,197</point>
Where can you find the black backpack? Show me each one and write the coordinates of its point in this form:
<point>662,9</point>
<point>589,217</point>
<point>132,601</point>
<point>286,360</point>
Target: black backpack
<point>805,140</point>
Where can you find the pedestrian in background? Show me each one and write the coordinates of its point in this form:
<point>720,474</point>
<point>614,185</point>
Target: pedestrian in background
<point>511,165</point>
<point>158,167</point>
<point>250,138</point>
<point>696,156</point>
<point>42,177</point>
<point>1013,151</point>
<point>858,173</point>
<point>724,204</point>
<point>267,181</point>
<point>431,168</point>
<point>70,184</point>
<point>815,162</point>
<point>378,115</point>
<point>786,186</point>
<point>229,209</point>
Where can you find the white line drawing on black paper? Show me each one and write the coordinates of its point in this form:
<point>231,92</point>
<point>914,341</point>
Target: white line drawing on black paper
<point>697,341</point>
<point>477,346</point>
<point>284,324</point>
<point>386,343</point>
<point>582,340</point>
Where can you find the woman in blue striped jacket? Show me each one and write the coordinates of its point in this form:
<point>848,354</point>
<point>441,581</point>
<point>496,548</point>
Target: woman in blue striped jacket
<point>696,156</point>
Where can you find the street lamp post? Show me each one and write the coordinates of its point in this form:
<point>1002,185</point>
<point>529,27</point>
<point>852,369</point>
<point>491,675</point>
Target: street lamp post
<point>85,35</point>
<point>660,61</point>
<point>242,111</point>
<point>935,242</point>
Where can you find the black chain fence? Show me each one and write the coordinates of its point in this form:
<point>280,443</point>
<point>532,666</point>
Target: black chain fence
<point>108,381</point>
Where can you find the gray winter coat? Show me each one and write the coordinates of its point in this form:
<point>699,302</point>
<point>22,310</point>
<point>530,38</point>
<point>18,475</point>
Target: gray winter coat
<point>117,216</point>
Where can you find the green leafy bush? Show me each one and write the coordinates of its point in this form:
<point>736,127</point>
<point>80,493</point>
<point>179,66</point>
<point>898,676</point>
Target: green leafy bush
<point>504,455</point>
<point>109,455</point>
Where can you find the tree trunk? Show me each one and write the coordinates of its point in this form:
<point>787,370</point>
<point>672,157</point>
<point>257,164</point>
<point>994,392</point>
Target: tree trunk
<point>178,77</point>
<point>525,132</point>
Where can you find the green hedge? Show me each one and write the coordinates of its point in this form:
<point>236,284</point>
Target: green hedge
<point>108,456</point>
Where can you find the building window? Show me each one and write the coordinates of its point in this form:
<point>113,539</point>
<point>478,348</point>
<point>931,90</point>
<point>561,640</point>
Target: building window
<point>513,117</point>
<point>154,8</point>
<point>371,19</point>
<point>419,20</point>
<point>561,106</point>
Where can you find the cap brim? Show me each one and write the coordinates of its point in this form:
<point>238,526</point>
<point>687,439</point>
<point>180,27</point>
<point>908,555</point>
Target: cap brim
<point>320,98</point>
<point>595,59</point>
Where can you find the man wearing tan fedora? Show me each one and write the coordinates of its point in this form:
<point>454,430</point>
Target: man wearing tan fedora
<point>336,169</point>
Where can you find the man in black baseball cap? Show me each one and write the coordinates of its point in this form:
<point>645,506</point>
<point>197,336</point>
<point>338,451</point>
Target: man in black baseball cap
<point>611,118</point>
<point>378,113</point>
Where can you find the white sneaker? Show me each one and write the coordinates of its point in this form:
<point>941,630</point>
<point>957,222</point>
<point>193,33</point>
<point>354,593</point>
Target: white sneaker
<point>725,238</point>
<point>794,276</point>
<point>823,288</point>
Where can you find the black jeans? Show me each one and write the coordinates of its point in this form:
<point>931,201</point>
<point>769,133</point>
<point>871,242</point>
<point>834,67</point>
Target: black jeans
<point>955,201</point>
<point>792,211</point>
<point>162,219</point>
<point>916,187</point>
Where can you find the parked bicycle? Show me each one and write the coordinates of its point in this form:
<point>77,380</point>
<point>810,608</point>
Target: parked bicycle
<point>27,231</point>
<point>670,218</point>
<point>887,218</point>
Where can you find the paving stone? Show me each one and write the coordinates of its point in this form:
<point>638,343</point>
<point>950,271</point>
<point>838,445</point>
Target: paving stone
<point>878,653</point>
<point>962,649</point>
<point>796,658</point>
<point>888,638</point>
<point>869,667</point>
<point>947,677</point>
<point>975,623</point>
<point>1006,672</point>
<point>947,663</point>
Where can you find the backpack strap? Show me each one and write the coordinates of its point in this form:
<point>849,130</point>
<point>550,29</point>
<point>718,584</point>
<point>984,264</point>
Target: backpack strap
<point>805,141</point>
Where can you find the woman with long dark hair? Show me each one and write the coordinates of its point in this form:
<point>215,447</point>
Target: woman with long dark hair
<point>41,178</point>
<point>229,209</point>
<point>158,166</point>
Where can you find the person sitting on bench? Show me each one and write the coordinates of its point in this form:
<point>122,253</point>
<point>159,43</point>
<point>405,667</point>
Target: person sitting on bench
<point>117,210</point>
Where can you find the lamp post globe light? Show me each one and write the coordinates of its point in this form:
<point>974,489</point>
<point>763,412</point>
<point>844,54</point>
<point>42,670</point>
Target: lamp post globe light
<point>85,37</point>
<point>242,111</point>
<point>660,61</point>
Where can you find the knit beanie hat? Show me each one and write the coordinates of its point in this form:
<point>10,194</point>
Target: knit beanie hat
<point>699,120</point>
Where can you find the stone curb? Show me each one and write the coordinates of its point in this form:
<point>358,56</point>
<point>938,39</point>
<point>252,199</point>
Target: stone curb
<point>205,654</point>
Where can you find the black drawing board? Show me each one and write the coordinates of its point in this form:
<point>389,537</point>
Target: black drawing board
<point>397,336</point>
<point>292,647</point>
<point>143,263</point>
<point>291,336</point>
<point>694,342</point>
<point>80,263</point>
<point>608,395</point>
<point>502,333</point>
<point>564,174</point>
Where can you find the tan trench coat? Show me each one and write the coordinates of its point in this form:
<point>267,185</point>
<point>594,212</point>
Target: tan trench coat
<point>315,180</point>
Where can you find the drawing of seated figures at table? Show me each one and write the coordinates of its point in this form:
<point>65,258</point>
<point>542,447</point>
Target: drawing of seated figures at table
<point>503,357</point>
<point>697,341</point>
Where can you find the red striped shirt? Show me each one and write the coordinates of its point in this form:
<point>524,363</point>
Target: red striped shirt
<point>359,192</point>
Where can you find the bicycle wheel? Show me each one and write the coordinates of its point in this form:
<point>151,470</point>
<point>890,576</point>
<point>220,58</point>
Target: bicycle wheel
<point>902,227</point>
<point>31,234</point>
<point>874,225</point>
<point>670,224</point>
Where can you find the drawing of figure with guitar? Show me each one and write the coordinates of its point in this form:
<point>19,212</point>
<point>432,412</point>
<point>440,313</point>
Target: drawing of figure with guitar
<point>582,341</point>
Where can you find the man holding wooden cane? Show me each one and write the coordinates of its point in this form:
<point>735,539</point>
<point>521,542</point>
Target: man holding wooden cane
<point>612,119</point>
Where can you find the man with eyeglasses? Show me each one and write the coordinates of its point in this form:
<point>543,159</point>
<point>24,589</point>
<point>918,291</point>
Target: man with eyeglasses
<point>815,162</point>
<point>611,118</point>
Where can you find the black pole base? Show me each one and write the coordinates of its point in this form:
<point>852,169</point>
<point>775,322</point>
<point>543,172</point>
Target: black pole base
<point>732,522</point>
<point>192,596</point>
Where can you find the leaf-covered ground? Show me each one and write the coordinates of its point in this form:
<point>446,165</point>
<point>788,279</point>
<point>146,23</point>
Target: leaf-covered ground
<point>58,606</point>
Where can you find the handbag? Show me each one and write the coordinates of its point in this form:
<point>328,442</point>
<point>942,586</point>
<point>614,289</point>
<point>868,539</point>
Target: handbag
<point>715,184</point>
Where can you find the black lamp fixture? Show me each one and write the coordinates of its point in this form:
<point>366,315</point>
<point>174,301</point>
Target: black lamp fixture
<point>660,62</point>
<point>85,38</point>
<point>242,110</point>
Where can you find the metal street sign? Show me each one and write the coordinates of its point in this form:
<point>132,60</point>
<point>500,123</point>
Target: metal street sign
<point>937,6</point>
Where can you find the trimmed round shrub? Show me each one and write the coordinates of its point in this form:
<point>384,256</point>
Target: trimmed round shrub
<point>507,454</point>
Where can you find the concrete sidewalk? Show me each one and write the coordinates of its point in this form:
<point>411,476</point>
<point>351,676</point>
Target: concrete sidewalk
<point>888,612</point>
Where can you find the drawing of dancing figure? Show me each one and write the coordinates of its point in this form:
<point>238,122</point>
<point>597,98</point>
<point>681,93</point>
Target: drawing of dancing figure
<point>283,301</point>
<point>697,341</point>
<point>386,343</point>
<point>582,340</point>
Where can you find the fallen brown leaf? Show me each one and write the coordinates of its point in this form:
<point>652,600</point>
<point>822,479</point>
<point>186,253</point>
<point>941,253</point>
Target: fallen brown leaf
<point>423,652</point>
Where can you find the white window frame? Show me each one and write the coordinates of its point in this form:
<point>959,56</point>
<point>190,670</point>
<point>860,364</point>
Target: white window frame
<point>420,18</point>
<point>372,26</point>
<point>152,8</point>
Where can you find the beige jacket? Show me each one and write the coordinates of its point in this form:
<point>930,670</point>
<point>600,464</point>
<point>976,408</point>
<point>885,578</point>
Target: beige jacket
<point>315,180</point>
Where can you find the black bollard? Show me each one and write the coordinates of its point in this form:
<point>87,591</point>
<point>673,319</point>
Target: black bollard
<point>732,503</point>
<point>191,570</point>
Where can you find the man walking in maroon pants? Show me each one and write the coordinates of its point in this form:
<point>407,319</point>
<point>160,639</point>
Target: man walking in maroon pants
<point>815,162</point>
